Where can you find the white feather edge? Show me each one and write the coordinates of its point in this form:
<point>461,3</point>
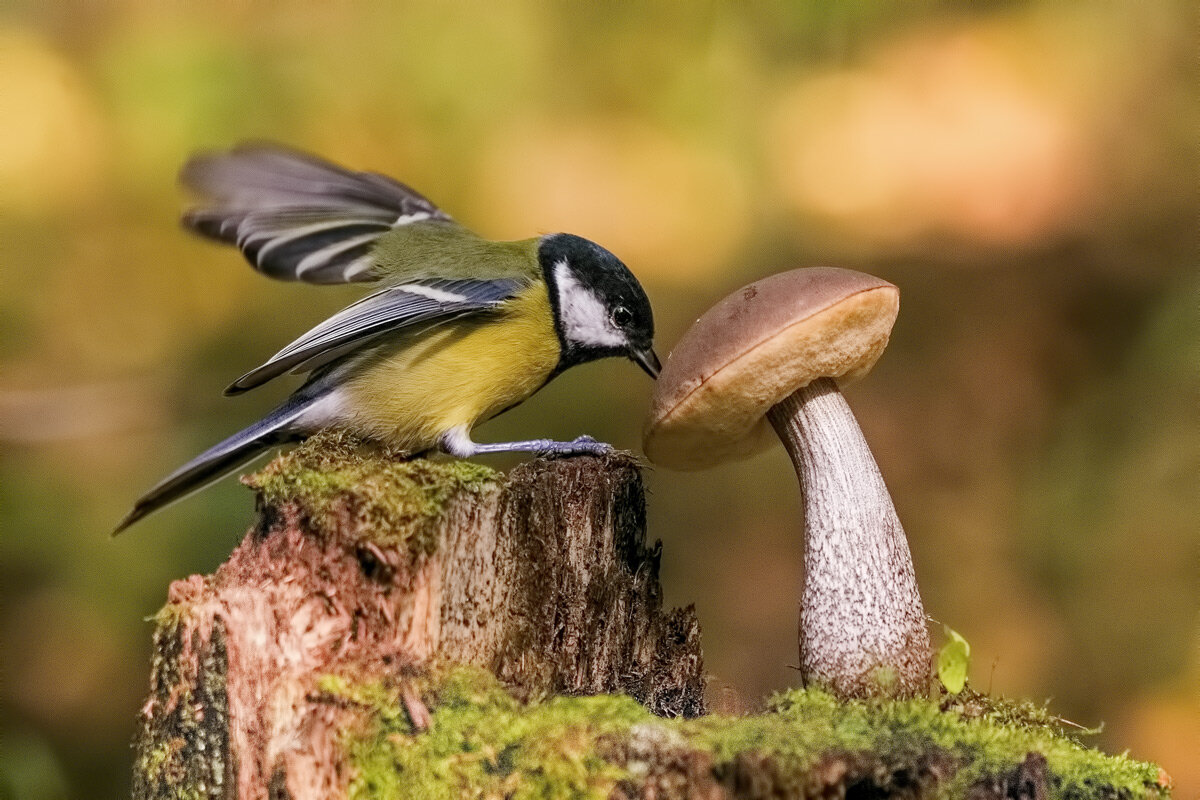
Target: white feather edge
<point>332,327</point>
<point>319,258</point>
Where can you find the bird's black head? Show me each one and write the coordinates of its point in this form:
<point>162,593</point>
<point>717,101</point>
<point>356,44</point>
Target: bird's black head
<point>600,309</point>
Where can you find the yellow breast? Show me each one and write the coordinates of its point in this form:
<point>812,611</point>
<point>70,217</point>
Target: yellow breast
<point>424,383</point>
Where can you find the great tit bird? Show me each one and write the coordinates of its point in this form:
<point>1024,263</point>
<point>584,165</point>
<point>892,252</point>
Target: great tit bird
<point>458,329</point>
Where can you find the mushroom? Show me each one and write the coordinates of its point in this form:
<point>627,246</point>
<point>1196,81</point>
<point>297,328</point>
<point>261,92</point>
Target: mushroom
<point>771,355</point>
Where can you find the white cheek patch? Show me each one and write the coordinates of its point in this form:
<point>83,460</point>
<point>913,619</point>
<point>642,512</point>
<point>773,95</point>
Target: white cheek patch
<point>584,317</point>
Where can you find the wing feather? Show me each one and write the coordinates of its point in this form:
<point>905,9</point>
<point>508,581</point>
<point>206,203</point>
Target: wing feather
<point>357,325</point>
<point>286,210</point>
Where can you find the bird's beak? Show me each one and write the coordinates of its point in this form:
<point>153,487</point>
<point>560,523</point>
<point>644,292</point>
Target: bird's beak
<point>647,360</point>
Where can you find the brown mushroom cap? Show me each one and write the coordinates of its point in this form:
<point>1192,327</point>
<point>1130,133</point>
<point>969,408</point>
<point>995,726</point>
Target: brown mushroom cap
<point>756,347</point>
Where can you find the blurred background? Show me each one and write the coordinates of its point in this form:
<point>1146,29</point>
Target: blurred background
<point>1026,172</point>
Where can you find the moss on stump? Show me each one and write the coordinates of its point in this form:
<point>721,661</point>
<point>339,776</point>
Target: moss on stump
<point>341,487</point>
<point>483,742</point>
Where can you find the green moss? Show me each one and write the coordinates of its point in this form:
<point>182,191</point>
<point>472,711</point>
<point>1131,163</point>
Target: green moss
<point>483,742</point>
<point>168,618</point>
<point>161,768</point>
<point>154,764</point>
<point>802,723</point>
<point>392,498</point>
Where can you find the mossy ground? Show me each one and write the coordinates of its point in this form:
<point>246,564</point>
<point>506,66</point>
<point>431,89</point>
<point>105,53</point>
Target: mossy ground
<point>391,496</point>
<point>484,743</point>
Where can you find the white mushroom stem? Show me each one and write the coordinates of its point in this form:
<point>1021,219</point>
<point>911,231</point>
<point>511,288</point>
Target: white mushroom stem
<point>862,626</point>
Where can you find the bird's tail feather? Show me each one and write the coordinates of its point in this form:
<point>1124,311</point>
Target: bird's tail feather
<point>218,461</point>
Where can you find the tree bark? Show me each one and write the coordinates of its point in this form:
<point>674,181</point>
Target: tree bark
<point>542,577</point>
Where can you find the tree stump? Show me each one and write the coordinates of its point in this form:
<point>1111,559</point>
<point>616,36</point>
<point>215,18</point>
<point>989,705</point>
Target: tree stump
<point>416,629</point>
<point>362,567</point>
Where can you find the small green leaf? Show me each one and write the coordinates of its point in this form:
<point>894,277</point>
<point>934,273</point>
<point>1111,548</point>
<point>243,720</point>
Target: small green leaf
<point>953,660</point>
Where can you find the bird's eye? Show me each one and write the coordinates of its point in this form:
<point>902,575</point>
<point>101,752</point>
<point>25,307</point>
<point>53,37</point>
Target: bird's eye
<point>622,316</point>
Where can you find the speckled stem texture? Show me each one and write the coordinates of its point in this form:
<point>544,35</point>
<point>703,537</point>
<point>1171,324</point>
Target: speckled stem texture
<point>862,626</point>
<point>543,578</point>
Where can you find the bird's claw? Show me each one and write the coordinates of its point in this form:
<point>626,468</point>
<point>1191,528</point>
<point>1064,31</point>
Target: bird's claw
<point>580,446</point>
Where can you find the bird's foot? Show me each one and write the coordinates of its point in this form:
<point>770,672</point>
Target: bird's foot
<point>580,446</point>
<point>458,443</point>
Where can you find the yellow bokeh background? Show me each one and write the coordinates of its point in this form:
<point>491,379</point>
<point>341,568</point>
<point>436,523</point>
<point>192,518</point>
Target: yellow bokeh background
<point>1025,172</point>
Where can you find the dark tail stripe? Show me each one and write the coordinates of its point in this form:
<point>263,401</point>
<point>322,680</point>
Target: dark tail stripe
<point>219,460</point>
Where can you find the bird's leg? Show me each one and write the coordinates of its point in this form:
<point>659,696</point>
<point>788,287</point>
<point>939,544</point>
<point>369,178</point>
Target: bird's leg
<point>457,442</point>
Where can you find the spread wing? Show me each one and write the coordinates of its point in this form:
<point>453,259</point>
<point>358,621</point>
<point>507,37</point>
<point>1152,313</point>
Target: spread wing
<point>297,217</point>
<point>411,304</point>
